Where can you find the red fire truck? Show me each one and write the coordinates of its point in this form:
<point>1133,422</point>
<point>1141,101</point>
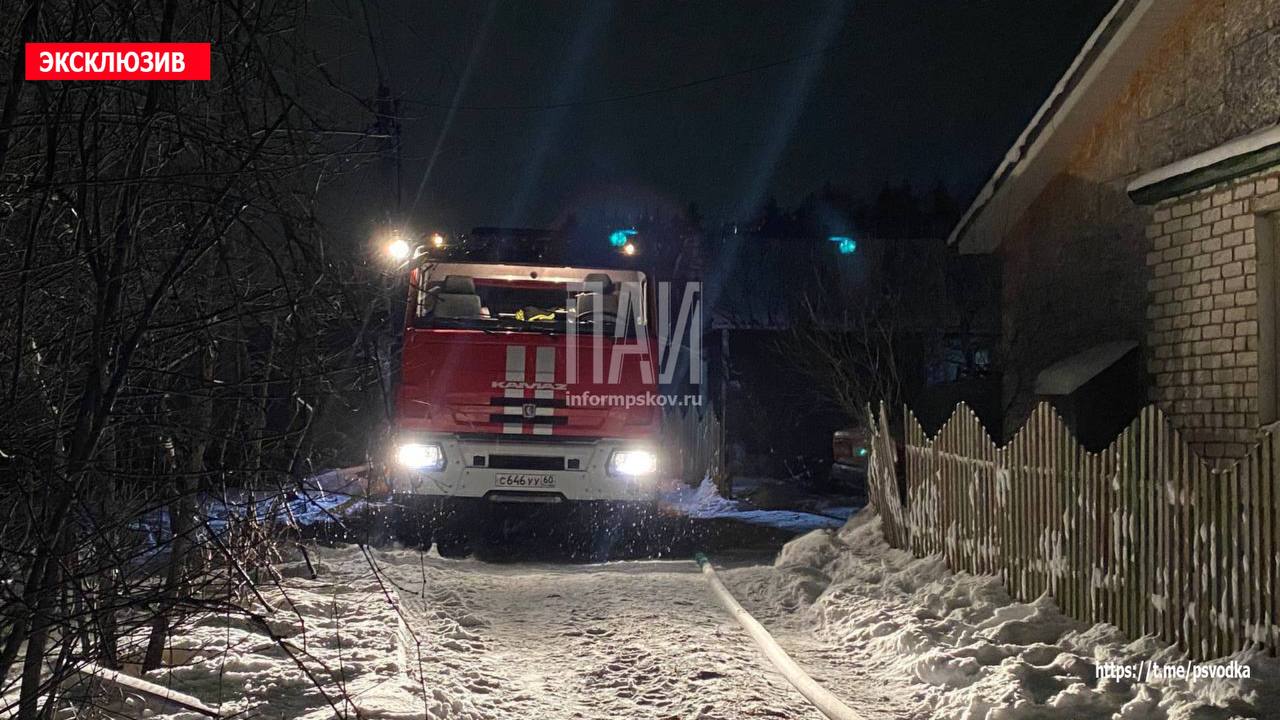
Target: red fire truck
<point>520,385</point>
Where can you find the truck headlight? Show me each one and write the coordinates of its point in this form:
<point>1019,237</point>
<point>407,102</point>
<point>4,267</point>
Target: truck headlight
<point>420,456</point>
<point>633,463</point>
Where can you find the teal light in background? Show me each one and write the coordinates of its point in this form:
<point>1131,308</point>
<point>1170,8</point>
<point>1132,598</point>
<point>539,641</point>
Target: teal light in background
<point>847,245</point>
<point>618,238</point>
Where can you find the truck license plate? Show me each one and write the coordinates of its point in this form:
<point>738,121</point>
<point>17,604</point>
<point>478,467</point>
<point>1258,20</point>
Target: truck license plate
<point>526,480</point>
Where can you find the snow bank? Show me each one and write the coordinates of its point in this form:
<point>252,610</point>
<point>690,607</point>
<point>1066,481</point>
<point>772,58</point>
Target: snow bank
<point>970,652</point>
<point>314,501</point>
<point>342,649</point>
<point>303,506</point>
<point>704,502</point>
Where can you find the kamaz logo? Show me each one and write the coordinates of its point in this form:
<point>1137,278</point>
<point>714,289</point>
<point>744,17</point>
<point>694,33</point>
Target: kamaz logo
<point>522,385</point>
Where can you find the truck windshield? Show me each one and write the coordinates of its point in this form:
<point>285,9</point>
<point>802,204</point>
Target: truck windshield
<point>550,307</point>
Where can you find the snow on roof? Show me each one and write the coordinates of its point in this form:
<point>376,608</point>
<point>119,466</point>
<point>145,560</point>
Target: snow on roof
<point>1092,83</point>
<point>1251,143</point>
<point>1067,375</point>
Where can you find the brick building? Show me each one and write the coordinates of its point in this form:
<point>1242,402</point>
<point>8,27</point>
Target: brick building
<point>1134,220</point>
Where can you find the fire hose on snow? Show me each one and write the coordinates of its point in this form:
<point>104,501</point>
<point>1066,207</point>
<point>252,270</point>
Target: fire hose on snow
<point>828,704</point>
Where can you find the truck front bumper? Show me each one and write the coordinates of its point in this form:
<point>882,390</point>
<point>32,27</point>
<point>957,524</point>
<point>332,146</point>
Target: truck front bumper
<point>525,472</point>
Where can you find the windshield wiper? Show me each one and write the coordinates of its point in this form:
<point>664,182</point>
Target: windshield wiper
<point>530,326</point>
<point>492,326</point>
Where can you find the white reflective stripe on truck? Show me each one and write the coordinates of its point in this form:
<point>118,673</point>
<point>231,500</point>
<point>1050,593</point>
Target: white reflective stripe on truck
<point>544,372</point>
<point>515,373</point>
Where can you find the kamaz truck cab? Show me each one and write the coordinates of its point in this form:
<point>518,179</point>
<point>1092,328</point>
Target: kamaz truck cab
<point>520,384</point>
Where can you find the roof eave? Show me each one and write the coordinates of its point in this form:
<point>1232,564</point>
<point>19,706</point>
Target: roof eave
<point>1231,159</point>
<point>1094,81</point>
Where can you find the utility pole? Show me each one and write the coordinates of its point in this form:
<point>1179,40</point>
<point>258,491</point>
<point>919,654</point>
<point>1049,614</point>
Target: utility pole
<point>386,126</point>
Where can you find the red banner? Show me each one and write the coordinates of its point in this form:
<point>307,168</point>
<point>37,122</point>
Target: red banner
<point>117,61</point>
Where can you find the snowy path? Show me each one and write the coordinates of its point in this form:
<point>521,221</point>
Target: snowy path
<point>892,635</point>
<point>621,640</point>
<point>428,638</point>
<point>402,635</point>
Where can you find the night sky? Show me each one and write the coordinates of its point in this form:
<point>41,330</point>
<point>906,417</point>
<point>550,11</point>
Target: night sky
<point>855,93</point>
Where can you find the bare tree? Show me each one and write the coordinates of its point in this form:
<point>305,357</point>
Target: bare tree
<point>173,313</point>
<point>848,348</point>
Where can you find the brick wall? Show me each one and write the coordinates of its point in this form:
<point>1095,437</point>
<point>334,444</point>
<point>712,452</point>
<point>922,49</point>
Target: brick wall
<point>1202,313</point>
<point>1079,269</point>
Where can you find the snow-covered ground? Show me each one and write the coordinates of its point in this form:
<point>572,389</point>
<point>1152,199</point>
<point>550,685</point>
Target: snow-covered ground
<point>425,637</point>
<point>704,502</point>
<point>401,634</point>
<point>969,652</point>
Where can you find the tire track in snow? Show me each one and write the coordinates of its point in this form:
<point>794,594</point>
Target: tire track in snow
<point>638,639</point>
<point>433,639</point>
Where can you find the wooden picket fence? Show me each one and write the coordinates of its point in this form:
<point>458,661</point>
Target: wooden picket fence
<point>1144,535</point>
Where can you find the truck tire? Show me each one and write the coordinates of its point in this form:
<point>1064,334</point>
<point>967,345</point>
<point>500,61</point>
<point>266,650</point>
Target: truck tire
<point>412,524</point>
<point>453,545</point>
<point>376,527</point>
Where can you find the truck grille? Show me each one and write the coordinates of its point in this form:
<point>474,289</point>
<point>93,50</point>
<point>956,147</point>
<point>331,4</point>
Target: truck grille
<point>526,462</point>
<point>538,420</point>
<point>518,401</point>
